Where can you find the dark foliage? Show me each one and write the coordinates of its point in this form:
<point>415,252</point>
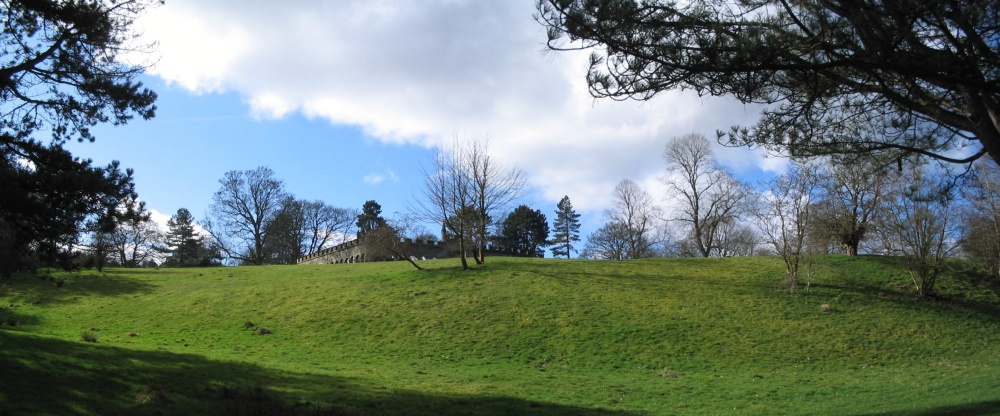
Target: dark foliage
<point>840,76</point>
<point>60,75</point>
<point>370,217</point>
<point>522,232</point>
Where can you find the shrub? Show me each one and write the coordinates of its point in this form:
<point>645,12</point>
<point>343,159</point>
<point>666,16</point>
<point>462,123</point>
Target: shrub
<point>89,336</point>
<point>152,394</point>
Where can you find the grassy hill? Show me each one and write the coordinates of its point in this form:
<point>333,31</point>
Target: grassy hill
<point>515,336</point>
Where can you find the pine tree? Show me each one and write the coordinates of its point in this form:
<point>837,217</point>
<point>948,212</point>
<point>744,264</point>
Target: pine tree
<point>63,73</point>
<point>186,246</point>
<point>370,217</point>
<point>566,229</point>
<point>522,232</point>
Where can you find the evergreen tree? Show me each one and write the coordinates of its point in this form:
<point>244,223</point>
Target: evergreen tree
<point>61,75</point>
<point>846,77</point>
<point>370,217</point>
<point>522,232</point>
<point>566,228</point>
<point>186,247</point>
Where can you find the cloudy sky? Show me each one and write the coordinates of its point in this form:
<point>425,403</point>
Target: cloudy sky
<point>345,99</point>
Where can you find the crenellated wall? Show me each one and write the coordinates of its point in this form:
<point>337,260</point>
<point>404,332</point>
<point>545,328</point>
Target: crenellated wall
<point>355,251</point>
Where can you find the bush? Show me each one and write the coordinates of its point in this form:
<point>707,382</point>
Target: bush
<point>89,336</point>
<point>151,394</point>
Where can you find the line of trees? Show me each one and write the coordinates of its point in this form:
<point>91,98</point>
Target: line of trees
<point>254,220</point>
<point>819,206</point>
<point>862,85</point>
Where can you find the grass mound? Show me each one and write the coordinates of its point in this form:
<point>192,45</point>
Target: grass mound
<point>514,336</point>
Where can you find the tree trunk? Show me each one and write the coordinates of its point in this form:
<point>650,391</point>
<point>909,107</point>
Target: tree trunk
<point>461,252</point>
<point>478,253</point>
<point>408,258</point>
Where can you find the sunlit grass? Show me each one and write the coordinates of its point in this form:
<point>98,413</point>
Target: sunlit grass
<point>514,336</point>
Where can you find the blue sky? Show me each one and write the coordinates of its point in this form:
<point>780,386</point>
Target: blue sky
<point>180,155</point>
<point>345,99</point>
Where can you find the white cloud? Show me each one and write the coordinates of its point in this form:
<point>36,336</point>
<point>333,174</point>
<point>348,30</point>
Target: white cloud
<point>160,219</point>
<point>423,72</point>
<point>379,177</point>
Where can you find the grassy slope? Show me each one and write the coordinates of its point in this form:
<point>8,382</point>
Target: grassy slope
<point>515,336</point>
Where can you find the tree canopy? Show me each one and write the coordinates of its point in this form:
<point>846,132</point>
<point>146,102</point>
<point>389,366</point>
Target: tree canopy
<point>60,74</point>
<point>370,217</point>
<point>61,71</point>
<point>242,211</point>
<point>523,232</point>
<point>45,205</point>
<point>837,76</point>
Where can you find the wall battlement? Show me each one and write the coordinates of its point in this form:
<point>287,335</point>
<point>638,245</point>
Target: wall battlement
<point>356,251</point>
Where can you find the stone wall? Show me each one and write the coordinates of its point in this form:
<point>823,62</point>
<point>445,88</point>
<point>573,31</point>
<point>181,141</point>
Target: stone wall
<point>355,251</point>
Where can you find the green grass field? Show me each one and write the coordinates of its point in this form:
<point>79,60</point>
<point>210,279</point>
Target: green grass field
<point>514,336</point>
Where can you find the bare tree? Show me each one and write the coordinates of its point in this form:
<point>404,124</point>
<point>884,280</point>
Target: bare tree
<point>387,241</point>
<point>609,242</point>
<point>240,211</point>
<point>100,245</point>
<point>133,241</point>
<point>448,198</point>
<point>736,239</point>
<point>137,240</point>
<point>637,216</point>
<point>919,225</point>
<point>981,225</point>
<point>494,188</point>
<point>325,224</point>
<point>784,215</point>
<point>850,200</point>
<point>710,196</point>
<point>463,189</point>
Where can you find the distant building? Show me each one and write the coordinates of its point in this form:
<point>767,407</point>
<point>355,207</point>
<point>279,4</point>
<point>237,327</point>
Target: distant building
<point>357,251</point>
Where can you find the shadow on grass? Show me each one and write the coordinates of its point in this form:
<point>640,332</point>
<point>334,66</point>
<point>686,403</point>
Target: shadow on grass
<point>55,377</point>
<point>70,286</point>
<point>989,407</point>
<point>866,276</point>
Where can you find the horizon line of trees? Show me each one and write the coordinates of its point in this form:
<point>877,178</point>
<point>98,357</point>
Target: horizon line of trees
<point>923,213</point>
<point>872,108</point>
